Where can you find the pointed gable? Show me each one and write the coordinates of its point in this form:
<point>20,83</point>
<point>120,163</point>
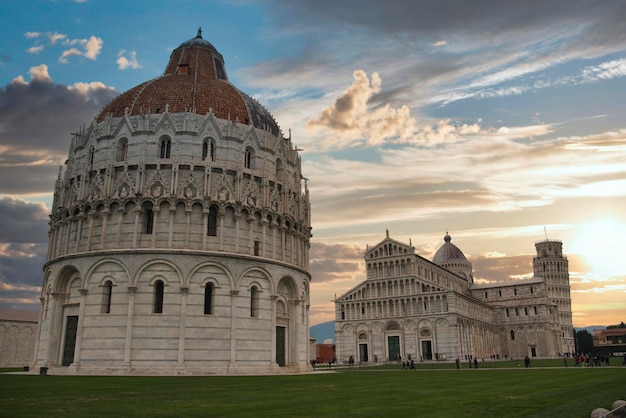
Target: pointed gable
<point>388,248</point>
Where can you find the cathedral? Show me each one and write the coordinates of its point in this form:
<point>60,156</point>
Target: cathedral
<point>410,307</point>
<point>179,235</point>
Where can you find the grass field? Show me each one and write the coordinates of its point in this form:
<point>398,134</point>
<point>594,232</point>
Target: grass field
<point>497,389</point>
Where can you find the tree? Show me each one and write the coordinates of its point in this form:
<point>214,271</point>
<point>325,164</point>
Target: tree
<point>584,341</point>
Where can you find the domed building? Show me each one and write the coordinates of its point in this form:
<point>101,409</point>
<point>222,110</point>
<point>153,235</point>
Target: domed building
<point>412,308</point>
<point>179,234</point>
<point>450,257</point>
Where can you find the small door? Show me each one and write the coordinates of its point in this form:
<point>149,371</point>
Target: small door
<point>280,346</point>
<point>393,344</point>
<point>427,350</point>
<point>363,352</point>
<point>533,351</point>
<point>71,327</point>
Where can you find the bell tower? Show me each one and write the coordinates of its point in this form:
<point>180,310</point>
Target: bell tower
<point>553,267</point>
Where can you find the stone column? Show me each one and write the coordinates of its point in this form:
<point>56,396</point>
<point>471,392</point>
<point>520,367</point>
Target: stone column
<point>155,225</point>
<point>79,330</point>
<point>51,356</point>
<point>78,232</point>
<point>132,290</point>
<point>205,225</point>
<point>136,228</point>
<point>187,225</point>
<point>105,216</point>
<point>184,291</point>
<point>120,217</point>
<point>170,233</point>
<point>233,325</point>
<point>237,217</point>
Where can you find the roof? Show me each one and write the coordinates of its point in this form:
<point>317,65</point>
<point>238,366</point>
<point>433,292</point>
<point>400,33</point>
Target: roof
<point>18,315</point>
<point>194,80</point>
<point>448,252</point>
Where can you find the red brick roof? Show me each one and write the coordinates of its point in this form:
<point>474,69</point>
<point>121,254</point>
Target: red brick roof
<point>194,80</point>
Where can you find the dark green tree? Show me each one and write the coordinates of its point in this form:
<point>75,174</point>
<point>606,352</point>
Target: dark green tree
<point>584,341</point>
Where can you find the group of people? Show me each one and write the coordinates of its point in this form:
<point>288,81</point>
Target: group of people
<point>408,364</point>
<point>586,360</point>
<point>470,360</point>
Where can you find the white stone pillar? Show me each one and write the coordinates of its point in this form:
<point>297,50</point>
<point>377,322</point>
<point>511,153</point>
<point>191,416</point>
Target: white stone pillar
<point>79,330</point>
<point>120,217</point>
<point>137,226</point>
<point>205,225</point>
<point>78,232</point>
<point>170,232</point>
<point>155,225</point>
<point>184,291</point>
<point>234,301</point>
<point>187,226</point>
<point>132,290</point>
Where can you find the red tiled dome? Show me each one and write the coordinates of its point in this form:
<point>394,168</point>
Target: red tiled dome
<point>194,80</point>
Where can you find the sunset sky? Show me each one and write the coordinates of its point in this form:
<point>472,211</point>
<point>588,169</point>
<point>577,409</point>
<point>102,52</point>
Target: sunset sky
<point>501,122</point>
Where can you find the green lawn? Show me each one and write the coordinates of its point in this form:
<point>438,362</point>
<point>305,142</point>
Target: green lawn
<point>350,392</point>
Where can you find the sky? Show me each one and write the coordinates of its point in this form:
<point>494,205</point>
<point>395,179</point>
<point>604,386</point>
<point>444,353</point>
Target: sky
<point>500,122</point>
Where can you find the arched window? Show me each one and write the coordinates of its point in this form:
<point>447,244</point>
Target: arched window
<point>107,293</point>
<point>248,157</point>
<point>149,221</point>
<point>254,302</point>
<point>512,334</point>
<point>257,247</point>
<point>166,147</point>
<point>212,224</point>
<point>279,169</point>
<point>159,289</point>
<point>208,149</point>
<point>208,299</point>
<point>91,154</point>
<point>122,149</point>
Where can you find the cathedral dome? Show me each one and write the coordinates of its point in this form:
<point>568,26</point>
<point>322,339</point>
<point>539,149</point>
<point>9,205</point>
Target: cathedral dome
<point>194,80</point>
<point>451,258</point>
<point>448,252</point>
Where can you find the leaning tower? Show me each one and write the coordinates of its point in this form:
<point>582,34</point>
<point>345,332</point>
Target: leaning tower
<point>179,234</point>
<point>552,266</point>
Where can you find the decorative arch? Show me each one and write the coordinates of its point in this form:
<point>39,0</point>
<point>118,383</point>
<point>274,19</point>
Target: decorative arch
<point>144,267</point>
<point>208,275</point>
<point>63,278</point>
<point>121,149</point>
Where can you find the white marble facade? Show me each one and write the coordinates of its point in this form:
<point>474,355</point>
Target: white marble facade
<point>179,236</point>
<point>433,311</point>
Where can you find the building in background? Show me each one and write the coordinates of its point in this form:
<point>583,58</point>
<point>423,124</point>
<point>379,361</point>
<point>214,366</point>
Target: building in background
<point>410,307</point>
<point>18,329</point>
<point>179,234</point>
<point>611,340</point>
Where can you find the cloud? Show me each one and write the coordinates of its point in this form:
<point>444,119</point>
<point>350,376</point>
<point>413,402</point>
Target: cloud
<point>35,49</point>
<point>23,245</point>
<point>36,119</point>
<point>91,47</point>
<point>605,71</point>
<point>124,62</point>
<point>333,263</point>
<point>357,124</point>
